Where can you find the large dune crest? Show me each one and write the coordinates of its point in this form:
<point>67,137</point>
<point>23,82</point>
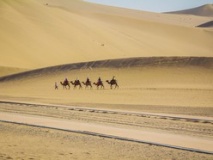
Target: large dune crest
<point>156,62</point>
<point>160,81</point>
<point>37,34</point>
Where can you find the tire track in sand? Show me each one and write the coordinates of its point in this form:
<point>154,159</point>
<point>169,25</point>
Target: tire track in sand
<point>192,144</point>
<point>196,119</point>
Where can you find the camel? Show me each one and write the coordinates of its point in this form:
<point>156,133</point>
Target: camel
<point>99,83</point>
<point>76,83</point>
<point>65,84</point>
<point>113,82</point>
<point>87,84</point>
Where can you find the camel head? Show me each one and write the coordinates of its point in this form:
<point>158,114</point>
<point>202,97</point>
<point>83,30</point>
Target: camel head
<point>108,81</point>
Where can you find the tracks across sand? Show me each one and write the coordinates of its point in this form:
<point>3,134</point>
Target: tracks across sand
<point>122,132</point>
<point>194,144</point>
<point>188,118</point>
<point>178,124</point>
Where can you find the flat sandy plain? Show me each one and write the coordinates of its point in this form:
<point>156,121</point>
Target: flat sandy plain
<point>162,62</point>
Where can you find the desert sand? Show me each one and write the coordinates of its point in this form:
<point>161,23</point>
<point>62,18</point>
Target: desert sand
<point>61,32</point>
<point>65,145</point>
<point>162,62</point>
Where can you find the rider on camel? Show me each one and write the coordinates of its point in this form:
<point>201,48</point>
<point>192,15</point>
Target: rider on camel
<point>66,81</point>
<point>99,80</point>
<point>113,78</point>
<point>77,80</point>
<point>87,81</point>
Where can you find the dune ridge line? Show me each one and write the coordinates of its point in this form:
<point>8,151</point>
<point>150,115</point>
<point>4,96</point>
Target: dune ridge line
<point>206,62</point>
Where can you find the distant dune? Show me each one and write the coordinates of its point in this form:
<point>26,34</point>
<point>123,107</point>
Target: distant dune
<point>36,34</point>
<point>205,10</point>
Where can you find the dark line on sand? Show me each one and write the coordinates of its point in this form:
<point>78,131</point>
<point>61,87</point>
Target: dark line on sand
<point>116,112</point>
<point>116,137</point>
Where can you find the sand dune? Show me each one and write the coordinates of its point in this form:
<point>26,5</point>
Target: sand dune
<point>35,35</point>
<point>158,62</point>
<point>38,34</point>
<point>163,64</point>
<point>154,81</point>
<point>205,10</point>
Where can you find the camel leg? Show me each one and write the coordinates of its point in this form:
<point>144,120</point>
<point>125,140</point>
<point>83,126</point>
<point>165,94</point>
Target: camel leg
<point>115,86</point>
<point>80,86</point>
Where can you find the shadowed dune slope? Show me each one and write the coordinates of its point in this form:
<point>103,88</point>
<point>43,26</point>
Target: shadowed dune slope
<point>35,35</point>
<point>200,62</point>
<point>205,10</point>
<point>207,24</point>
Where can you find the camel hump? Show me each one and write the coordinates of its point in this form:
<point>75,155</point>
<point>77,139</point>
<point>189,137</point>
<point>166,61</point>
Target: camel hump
<point>113,81</point>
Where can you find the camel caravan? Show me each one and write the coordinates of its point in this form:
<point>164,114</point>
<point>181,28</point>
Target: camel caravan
<point>88,84</point>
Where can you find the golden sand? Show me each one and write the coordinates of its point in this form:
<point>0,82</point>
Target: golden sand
<point>36,34</point>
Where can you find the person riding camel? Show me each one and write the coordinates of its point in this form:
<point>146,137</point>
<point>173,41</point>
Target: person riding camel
<point>87,81</point>
<point>99,80</point>
<point>77,80</point>
<point>66,81</point>
<point>113,78</point>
